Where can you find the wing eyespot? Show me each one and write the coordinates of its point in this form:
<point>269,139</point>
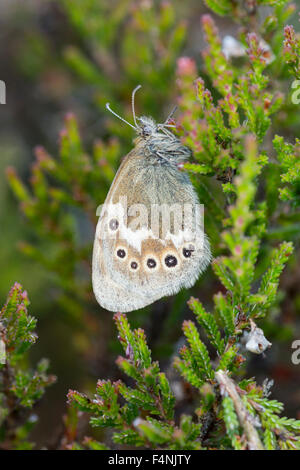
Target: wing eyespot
<point>170,261</point>
<point>113,224</point>
<point>134,265</point>
<point>151,263</point>
<point>121,253</point>
<point>187,251</point>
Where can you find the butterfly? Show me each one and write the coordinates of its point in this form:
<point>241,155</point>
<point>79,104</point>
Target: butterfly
<point>150,239</point>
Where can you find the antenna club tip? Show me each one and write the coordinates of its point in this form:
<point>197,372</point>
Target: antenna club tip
<point>136,89</point>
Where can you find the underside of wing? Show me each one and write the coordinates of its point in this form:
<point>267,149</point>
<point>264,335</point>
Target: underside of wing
<point>138,258</point>
<point>125,278</point>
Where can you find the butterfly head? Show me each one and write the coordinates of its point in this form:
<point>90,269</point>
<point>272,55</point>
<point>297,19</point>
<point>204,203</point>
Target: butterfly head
<point>144,126</point>
<point>148,128</point>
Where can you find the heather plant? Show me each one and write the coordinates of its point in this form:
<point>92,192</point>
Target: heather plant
<point>234,110</point>
<point>242,408</point>
<point>20,387</point>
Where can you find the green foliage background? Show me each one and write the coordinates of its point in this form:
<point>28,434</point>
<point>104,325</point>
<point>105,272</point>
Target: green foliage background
<point>65,60</point>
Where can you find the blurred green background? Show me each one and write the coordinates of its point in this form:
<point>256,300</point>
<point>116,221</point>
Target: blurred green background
<point>58,57</point>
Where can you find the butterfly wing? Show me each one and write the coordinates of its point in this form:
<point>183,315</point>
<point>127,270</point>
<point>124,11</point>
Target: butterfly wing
<point>137,258</point>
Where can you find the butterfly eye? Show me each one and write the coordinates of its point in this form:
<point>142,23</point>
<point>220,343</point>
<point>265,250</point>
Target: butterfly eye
<point>171,261</point>
<point>113,224</point>
<point>146,132</point>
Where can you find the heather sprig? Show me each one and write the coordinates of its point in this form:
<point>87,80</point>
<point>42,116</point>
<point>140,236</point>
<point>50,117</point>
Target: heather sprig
<point>291,50</point>
<point>289,157</point>
<point>20,386</point>
<point>141,414</point>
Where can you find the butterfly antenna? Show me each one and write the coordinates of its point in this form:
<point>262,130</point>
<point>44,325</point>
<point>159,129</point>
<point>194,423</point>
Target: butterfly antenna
<point>132,103</point>
<point>117,115</point>
<point>169,117</point>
